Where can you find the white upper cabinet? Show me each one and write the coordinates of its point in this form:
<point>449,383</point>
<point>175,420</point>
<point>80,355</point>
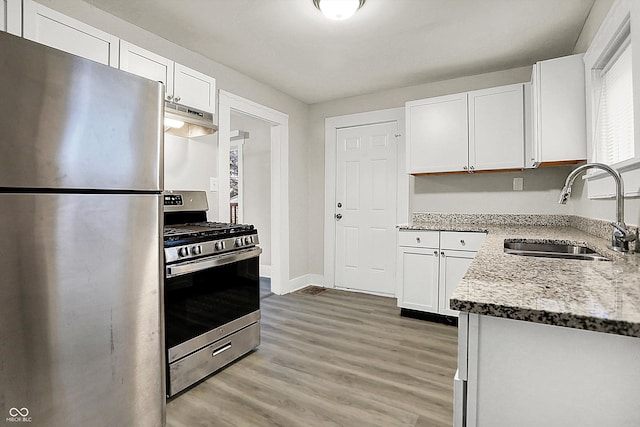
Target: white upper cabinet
<point>479,130</point>
<point>141,62</point>
<point>194,89</point>
<point>558,112</point>
<point>183,85</point>
<point>56,30</point>
<point>11,16</point>
<point>437,134</point>
<point>496,128</point>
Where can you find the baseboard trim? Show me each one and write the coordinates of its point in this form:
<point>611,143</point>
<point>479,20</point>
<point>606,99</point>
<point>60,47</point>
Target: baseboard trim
<point>265,271</point>
<point>304,281</point>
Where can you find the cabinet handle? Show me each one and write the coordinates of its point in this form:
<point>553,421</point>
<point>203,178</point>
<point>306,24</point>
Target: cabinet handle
<point>471,168</point>
<point>435,253</point>
<point>169,97</point>
<point>441,253</point>
<point>177,98</point>
<point>462,242</point>
<point>418,239</point>
<point>465,167</point>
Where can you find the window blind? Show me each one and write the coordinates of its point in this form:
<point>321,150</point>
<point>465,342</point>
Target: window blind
<point>614,118</point>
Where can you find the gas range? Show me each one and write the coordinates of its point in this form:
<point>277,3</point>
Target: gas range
<point>211,290</point>
<point>187,234</point>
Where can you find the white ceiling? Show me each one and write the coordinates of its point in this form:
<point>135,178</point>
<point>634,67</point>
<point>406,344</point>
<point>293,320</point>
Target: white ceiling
<point>290,45</point>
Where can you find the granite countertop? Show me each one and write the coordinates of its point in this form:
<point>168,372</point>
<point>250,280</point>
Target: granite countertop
<point>592,295</point>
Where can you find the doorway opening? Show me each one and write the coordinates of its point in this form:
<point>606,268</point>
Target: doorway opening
<point>276,125</point>
<point>236,171</point>
<point>250,180</point>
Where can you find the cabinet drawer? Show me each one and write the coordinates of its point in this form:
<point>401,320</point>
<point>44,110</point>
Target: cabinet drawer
<point>419,239</point>
<point>461,241</point>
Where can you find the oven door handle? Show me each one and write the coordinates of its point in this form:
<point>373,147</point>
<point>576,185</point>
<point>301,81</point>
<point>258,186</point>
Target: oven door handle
<point>205,263</point>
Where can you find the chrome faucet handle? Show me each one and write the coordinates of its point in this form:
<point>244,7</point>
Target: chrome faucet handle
<point>623,233</point>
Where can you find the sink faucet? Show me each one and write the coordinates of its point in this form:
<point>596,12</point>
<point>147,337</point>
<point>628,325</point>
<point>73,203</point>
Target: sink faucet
<point>621,235</point>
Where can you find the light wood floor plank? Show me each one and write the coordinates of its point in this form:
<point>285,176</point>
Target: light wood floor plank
<point>333,359</point>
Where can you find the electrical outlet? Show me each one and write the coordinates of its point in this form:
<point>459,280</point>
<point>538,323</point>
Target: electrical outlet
<point>518,184</point>
<point>213,184</point>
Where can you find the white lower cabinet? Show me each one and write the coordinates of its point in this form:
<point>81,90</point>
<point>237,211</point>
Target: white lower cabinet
<point>453,266</point>
<point>418,279</point>
<point>525,374</point>
<point>430,266</point>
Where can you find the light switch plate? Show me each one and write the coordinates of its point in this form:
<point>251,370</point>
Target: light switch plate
<point>518,184</point>
<point>213,184</point>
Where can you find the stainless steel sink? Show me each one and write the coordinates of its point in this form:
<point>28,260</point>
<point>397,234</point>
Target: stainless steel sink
<point>553,250</point>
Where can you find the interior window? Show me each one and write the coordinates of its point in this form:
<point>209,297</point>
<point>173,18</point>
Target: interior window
<point>234,176</point>
<point>613,136</point>
<point>610,97</point>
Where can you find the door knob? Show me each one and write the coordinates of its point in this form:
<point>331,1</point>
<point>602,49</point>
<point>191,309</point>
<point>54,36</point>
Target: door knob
<point>338,217</point>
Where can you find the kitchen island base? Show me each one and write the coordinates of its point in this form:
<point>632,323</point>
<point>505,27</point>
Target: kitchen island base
<point>516,373</point>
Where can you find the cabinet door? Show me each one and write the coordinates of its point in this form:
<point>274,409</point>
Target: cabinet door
<point>11,16</point>
<point>437,134</point>
<point>453,266</point>
<point>56,30</point>
<point>141,62</point>
<point>558,91</point>
<point>194,89</point>
<point>496,128</point>
<point>418,279</point>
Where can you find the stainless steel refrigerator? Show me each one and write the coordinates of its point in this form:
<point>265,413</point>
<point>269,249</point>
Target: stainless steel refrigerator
<point>81,342</point>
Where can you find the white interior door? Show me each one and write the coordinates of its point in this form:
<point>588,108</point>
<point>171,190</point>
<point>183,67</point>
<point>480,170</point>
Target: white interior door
<point>365,208</point>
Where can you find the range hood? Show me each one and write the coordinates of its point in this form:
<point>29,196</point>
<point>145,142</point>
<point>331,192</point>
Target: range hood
<point>187,122</point>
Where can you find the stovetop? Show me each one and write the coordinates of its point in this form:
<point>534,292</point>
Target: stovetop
<point>180,234</point>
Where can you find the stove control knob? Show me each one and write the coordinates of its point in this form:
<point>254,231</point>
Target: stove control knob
<point>239,242</point>
<point>183,252</point>
<point>196,250</point>
<point>248,240</point>
<point>219,246</point>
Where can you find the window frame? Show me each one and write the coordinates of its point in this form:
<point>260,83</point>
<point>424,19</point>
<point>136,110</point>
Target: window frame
<point>239,145</point>
<point>615,31</point>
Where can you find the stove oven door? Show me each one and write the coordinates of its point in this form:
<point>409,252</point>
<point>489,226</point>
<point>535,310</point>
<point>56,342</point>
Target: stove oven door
<point>206,301</point>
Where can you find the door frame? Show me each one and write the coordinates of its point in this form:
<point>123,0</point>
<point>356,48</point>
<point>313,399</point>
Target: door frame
<point>280,282</point>
<point>332,124</point>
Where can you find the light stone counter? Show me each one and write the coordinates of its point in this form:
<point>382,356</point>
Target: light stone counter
<point>591,295</point>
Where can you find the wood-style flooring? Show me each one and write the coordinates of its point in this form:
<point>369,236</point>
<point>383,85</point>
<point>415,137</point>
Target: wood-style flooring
<point>335,358</point>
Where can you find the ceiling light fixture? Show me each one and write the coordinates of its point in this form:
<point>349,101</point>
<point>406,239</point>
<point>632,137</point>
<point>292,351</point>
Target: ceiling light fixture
<point>338,10</point>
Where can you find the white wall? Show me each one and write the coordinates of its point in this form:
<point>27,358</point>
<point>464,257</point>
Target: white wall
<point>256,178</point>
<point>422,200</point>
<point>232,81</point>
<point>481,193</point>
<point>492,192</point>
<point>306,138</point>
<point>188,165</point>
